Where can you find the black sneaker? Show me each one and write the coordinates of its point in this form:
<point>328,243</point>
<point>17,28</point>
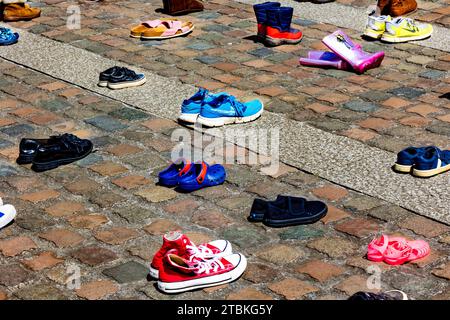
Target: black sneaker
<point>288,211</point>
<point>388,295</point>
<point>126,78</point>
<point>106,75</point>
<point>67,149</point>
<point>28,148</point>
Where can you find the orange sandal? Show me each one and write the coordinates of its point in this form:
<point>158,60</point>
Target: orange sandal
<point>136,32</point>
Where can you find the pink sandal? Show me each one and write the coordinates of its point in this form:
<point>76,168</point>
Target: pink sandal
<point>377,247</point>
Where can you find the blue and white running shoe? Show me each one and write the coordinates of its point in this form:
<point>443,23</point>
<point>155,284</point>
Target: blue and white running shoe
<point>7,37</point>
<point>433,161</point>
<point>7,214</point>
<point>226,109</point>
<point>191,108</point>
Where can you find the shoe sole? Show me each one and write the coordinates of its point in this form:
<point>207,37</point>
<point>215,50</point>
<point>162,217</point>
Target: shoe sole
<point>102,83</point>
<point>430,173</point>
<point>24,159</point>
<point>402,168</point>
<point>372,34</point>
<point>188,117</point>
<point>212,281</point>
<point>169,37</point>
<point>16,18</point>
<point>404,39</point>
<point>127,84</point>
<point>218,122</point>
<point>277,42</point>
<point>293,222</point>
<point>56,163</point>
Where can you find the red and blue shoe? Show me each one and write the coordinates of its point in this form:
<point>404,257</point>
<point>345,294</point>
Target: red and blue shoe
<point>202,175</point>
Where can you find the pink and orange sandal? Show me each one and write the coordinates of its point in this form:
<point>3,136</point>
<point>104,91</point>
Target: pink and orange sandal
<point>136,32</point>
<point>377,247</point>
<point>165,29</point>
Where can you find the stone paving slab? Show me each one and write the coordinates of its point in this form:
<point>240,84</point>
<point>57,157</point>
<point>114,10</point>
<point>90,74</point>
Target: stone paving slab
<point>339,159</point>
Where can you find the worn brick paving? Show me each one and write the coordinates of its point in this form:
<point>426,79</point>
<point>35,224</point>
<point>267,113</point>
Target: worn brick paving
<point>106,215</point>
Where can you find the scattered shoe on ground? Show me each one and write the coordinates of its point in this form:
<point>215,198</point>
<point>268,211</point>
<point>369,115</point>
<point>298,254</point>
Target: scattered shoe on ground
<point>344,47</point>
<point>287,211</point>
<point>396,250</point>
<point>121,78</point>
<point>7,37</point>
<point>162,29</point>
<point>274,24</point>
<point>7,214</point>
<point>47,154</point>
<point>387,295</point>
<point>407,158</point>
<point>18,10</point>
<point>192,107</point>
<point>431,162</point>
<point>406,29</point>
<point>178,243</point>
<point>397,8</point>
<point>226,109</point>
<point>376,26</point>
<point>179,7</point>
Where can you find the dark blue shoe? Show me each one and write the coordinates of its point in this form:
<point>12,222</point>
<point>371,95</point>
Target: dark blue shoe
<point>202,175</point>
<point>106,75</point>
<point>171,176</point>
<point>261,16</point>
<point>406,159</point>
<point>261,207</point>
<point>125,78</point>
<point>289,211</point>
<point>431,162</point>
<point>7,37</point>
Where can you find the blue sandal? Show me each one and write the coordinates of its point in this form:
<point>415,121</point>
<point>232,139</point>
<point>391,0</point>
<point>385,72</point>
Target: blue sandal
<point>201,176</point>
<point>171,176</point>
<point>7,37</point>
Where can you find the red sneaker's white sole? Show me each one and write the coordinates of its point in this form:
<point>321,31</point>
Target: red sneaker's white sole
<point>205,282</point>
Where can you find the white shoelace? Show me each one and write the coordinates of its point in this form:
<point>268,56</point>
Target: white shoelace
<point>207,266</point>
<point>200,252</point>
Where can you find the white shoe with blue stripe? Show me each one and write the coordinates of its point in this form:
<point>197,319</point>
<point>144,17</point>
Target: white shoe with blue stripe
<point>7,214</point>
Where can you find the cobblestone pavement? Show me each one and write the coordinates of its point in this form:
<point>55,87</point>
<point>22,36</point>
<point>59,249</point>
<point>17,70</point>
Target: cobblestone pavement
<point>105,214</point>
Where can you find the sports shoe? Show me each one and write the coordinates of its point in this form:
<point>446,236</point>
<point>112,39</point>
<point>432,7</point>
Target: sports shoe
<point>406,29</point>
<point>105,76</point>
<point>431,162</point>
<point>226,109</point>
<point>178,243</point>
<point>191,108</point>
<point>180,275</point>
<point>65,150</point>
<point>387,295</point>
<point>125,78</point>
<point>376,26</point>
<point>7,214</point>
<point>406,159</point>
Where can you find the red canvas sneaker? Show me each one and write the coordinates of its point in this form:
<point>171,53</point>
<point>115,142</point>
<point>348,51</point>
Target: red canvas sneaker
<point>179,244</point>
<point>180,275</point>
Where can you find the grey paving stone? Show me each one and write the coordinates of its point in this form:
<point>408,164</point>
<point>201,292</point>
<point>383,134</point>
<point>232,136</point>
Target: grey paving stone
<point>407,92</point>
<point>129,114</point>
<point>300,233</point>
<point>40,292</point>
<point>5,143</point>
<point>432,74</point>
<point>209,59</point>
<point>200,46</point>
<point>261,52</point>
<point>54,105</point>
<point>17,130</point>
<point>131,271</point>
<point>106,123</point>
<point>360,106</point>
<point>244,237</point>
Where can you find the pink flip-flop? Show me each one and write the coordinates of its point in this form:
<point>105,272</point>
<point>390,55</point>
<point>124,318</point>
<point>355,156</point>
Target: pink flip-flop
<point>377,247</point>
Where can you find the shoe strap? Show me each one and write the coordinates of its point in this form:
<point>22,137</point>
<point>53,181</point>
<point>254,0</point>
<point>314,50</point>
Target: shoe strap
<point>202,175</point>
